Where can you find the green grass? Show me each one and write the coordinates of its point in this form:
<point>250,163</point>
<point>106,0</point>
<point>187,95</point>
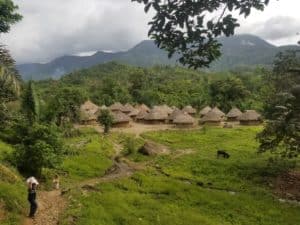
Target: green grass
<point>89,160</point>
<point>12,192</point>
<point>199,188</point>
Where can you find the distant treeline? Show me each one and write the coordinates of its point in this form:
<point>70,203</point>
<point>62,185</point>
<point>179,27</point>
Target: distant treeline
<point>175,86</point>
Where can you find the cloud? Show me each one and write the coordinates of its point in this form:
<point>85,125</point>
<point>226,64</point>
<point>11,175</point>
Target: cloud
<point>275,28</point>
<point>53,28</point>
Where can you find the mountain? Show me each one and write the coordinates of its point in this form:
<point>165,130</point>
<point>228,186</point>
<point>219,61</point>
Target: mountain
<point>238,50</point>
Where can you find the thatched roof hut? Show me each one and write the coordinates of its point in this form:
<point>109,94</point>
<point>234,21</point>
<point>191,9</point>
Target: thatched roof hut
<point>127,108</point>
<point>143,107</point>
<point>190,110</point>
<point>184,120</point>
<point>250,117</point>
<point>116,107</point>
<point>156,116</point>
<point>234,114</point>
<point>163,108</point>
<point>218,111</point>
<point>120,119</point>
<point>133,114</point>
<point>212,118</point>
<point>204,111</point>
<point>141,115</point>
<point>88,112</point>
<point>173,115</point>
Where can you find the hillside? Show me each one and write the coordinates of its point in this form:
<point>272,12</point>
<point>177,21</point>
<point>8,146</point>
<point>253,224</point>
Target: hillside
<point>239,50</point>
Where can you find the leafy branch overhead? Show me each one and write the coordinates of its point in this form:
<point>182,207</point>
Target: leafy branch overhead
<point>189,28</point>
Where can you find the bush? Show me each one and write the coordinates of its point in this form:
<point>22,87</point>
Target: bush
<point>39,146</point>
<point>106,119</point>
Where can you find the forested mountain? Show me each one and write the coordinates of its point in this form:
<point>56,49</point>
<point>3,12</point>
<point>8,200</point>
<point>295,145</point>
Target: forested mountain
<point>239,50</point>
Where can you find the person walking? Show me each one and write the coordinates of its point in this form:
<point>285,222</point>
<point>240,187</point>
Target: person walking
<point>32,186</point>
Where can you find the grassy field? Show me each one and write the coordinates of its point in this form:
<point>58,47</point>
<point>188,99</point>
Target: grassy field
<point>184,189</point>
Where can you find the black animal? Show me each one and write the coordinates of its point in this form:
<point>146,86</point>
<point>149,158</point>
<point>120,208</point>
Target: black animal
<point>222,153</point>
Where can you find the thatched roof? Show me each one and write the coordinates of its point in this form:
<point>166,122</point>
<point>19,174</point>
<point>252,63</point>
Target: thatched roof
<point>134,112</point>
<point>156,114</point>
<point>233,113</point>
<point>163,108</point>
<point>189,109</point>
<point>184,118</point>
<point>120,117</point>
<point>205,110</point>
<point>141,115</point>
<point>218,111</point>
<point>116,107</point>
<point>128,108</point>
<point>250,115</point>
<point>175,113</point>
<point>88,111</point>
<point>212,116</point>
<point>143,107</point>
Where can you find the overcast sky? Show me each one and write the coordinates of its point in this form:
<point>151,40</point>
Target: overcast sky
<point>52,28</point>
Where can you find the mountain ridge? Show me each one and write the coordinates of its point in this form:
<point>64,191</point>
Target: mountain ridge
<point>238,50</point>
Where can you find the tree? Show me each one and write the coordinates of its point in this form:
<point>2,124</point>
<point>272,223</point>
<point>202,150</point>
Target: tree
<point>8,15</point>
<point>64,104</point>
<point>282,130</point>
<point>30,103</point>
<point>106,119</point>
<point>9,76</point>
<point>227,93</point>
<point>39,146</point>
<point>190,28</point>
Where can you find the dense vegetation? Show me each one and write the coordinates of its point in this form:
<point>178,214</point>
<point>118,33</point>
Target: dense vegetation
<point>111,82</point>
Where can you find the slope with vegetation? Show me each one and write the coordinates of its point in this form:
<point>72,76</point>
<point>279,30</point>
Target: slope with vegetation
<point>113,82</point>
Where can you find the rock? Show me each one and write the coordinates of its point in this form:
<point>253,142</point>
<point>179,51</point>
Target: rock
<point>226,125</point>
<point>152,148</point>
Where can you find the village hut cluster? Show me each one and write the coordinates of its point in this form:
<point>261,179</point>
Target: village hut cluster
<point>187,117</point>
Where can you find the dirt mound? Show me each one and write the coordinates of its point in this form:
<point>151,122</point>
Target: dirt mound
<point>151,148</point>
<point>287,185</point>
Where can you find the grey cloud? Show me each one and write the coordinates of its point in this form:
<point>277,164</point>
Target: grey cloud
<point>275,28</point>
<point>53,28</point>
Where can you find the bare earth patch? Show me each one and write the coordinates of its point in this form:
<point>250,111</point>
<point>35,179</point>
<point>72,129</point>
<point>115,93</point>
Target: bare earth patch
<point>50,206</point>
<point>287,185</point>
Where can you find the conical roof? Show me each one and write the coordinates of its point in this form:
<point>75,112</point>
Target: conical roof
<point>233,113</point>
<point>127,108</point>
<point>134,112</point>
<point>189,109</point>
<point>218,111</point>
<point>163,108</point>
<point>120,117</point>
<point>184,118</point>
<point>116,107</point>
<point>143,107</point>
<point>175,113</point>
<point>250,115</point>
<point>212,116</point>
<point>141,115</point>
<point>156,114</point>
<point>88,111</point>
<point>205,110</point>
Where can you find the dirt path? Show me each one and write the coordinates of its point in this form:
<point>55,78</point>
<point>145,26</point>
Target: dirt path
<point>50,206</point>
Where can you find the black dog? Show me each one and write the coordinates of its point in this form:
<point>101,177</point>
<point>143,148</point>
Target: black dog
<point>222,153</point>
